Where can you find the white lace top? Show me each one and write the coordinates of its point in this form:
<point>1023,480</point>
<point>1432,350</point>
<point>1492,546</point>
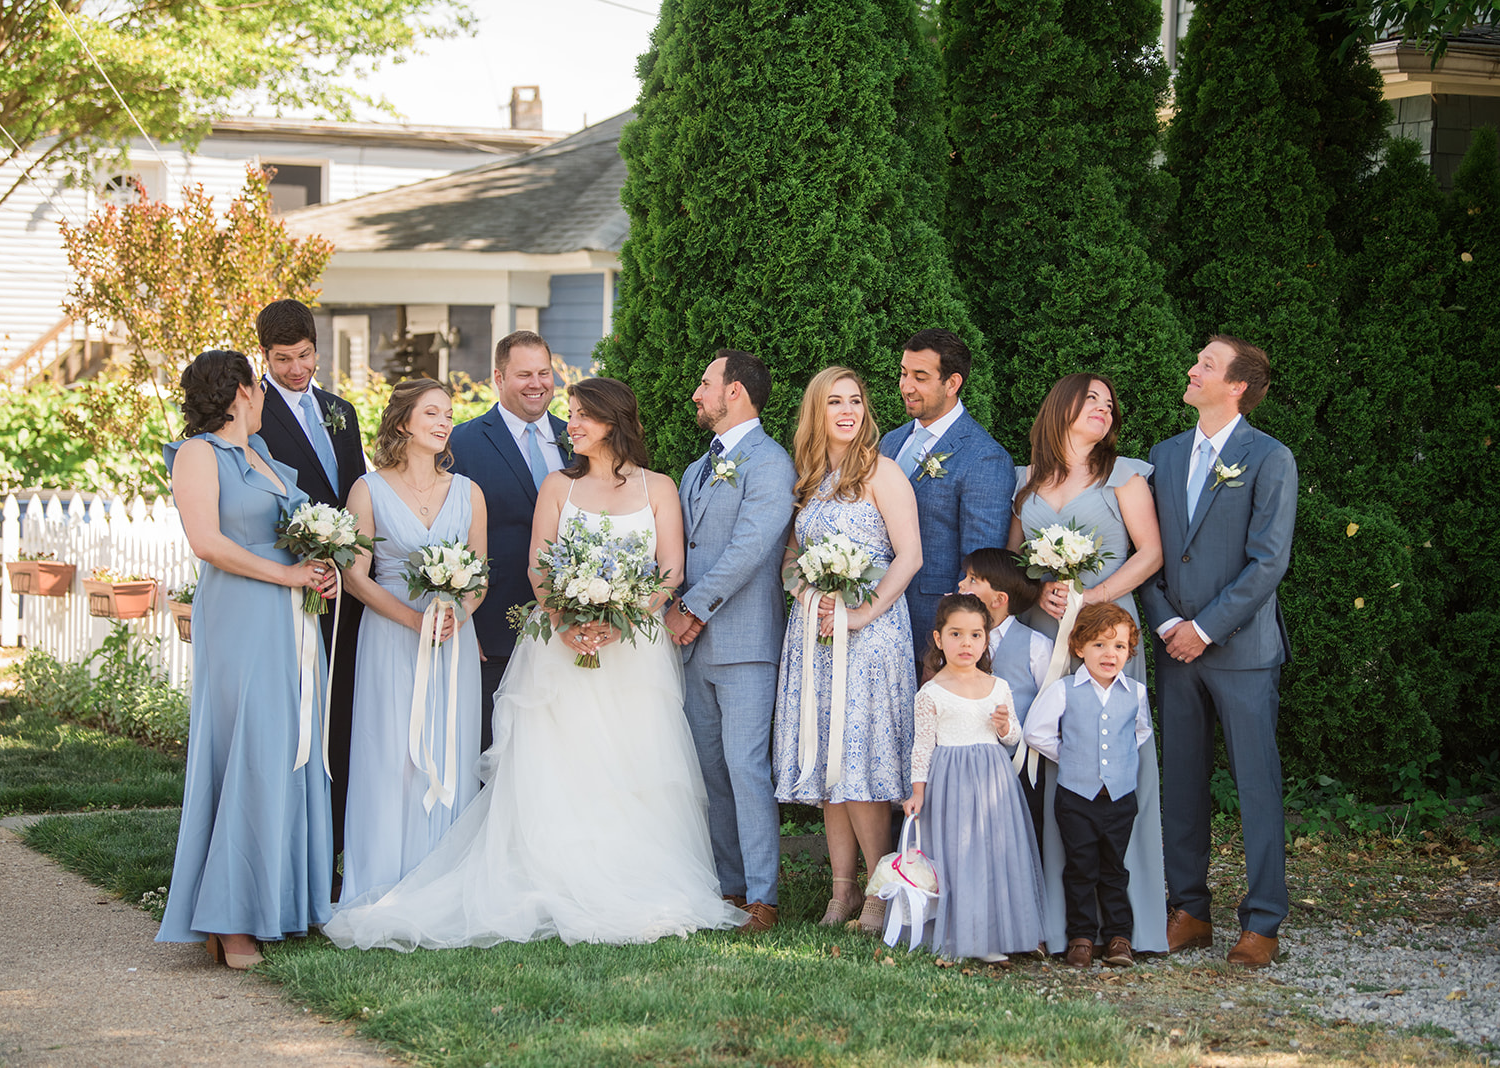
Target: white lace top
<point>945,718</point>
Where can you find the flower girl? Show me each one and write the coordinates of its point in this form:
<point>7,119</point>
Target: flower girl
<point>977,825</point>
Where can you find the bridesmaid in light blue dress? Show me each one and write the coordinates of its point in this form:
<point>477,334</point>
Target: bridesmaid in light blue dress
<point>395,814</point>
<point>845,486</point>
<point>255,844</point>
<point>1085,483</point>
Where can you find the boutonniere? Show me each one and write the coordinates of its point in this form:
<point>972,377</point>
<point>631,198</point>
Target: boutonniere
<point>333,419</point>
<point>564,443</point>
<point>727,470</point>
<point>931,465</point>
<point>1227,476</point>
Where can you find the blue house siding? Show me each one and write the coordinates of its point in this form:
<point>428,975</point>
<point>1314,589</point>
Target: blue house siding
<point>574,321</point>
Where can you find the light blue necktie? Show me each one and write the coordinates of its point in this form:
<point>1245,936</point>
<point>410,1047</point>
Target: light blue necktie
<point>534,454</point>
<point>911,452</point>
<point>1199,476</point>
<point>317,433</point>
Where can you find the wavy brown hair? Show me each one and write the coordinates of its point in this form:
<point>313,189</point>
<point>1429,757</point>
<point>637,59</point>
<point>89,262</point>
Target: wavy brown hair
<point>389,449</point>
<point>950,603</point>
<point>1049,434</point>
<point>810,443</point>
<point>613,403</point>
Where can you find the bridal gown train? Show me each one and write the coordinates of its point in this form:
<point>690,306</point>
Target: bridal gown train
<point>593,824</point>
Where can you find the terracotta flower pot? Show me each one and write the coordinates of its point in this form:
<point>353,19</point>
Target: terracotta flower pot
<point>182,615</point>
<point>40,578</point>
<point>120,600</point>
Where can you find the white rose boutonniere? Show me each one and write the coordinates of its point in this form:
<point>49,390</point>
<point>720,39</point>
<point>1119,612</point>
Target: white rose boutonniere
<point>333,419</point>
<point>564,443</point>
<point>1227,476</point>
<point>931,465</point>
<point>726,470</point>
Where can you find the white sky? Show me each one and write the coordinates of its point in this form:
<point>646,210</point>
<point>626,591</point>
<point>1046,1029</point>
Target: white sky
<point>581,53</point>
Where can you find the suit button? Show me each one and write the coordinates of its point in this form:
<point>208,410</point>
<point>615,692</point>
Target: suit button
<point>692,545</point>
<point>1186,558</point>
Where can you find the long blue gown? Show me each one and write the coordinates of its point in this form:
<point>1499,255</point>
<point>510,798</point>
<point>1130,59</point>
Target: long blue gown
<point>255,845</point>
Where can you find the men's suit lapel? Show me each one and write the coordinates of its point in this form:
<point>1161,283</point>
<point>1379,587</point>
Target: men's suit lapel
<point>702,494</point>
<point>950,442</point>
<point>309,466</point>
<point>499,435</point>
<point>1235,450</point>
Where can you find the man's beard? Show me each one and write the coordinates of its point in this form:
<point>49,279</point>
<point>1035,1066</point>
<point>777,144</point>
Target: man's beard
<point>707,416</point>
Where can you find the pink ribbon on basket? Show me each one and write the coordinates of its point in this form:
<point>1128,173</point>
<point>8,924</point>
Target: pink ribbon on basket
<point>1057,667</point>
<point>305,627</point>
<point>807,731</point>
<point>441,785</point>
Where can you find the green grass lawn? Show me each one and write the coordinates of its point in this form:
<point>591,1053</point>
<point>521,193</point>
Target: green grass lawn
<point>47,765</point>
<point>127,853</point>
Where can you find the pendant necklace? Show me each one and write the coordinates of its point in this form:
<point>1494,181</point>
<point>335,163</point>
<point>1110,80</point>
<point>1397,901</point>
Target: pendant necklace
<point>421,501</point>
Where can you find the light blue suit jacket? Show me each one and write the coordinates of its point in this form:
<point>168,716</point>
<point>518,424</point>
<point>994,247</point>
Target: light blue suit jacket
<point>968,508</point>
<point>736,535</point>
<point>1221,569</point>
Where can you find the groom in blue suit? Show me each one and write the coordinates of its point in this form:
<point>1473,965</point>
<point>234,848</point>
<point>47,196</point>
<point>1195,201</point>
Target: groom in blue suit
<point>730,619</point>
<point>507,452</point>
<point>964,479</point>
<point>1226,500</point>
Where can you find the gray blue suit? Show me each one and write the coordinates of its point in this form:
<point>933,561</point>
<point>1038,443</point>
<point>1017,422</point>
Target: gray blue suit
<point>1220,570</point>
<point>967,508</point>
<point>736,535</point>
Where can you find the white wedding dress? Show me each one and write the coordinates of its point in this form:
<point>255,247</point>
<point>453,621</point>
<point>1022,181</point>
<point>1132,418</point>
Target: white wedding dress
<point>593,824</point>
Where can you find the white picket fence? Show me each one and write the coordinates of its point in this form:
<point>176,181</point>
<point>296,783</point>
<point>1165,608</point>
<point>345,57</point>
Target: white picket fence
<point>129,537</point>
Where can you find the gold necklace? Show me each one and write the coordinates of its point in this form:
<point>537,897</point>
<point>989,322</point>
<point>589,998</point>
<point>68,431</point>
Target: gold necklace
<point>421,501</point>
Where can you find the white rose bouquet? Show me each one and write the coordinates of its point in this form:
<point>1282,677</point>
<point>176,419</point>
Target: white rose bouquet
<point>1063,552</point>
<point>834,563</point>
<point>590,575</point>
<point>322,532</point>
<point>448,569</point>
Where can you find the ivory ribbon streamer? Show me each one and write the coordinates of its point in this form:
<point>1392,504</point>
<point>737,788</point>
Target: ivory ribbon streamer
<point>1057,667</point>
<point>441,786</point>
<point>306,625</point>
<point>807,733</point>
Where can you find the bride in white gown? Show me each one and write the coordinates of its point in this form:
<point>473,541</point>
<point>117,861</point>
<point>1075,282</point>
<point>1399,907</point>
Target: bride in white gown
<point>593,826</point>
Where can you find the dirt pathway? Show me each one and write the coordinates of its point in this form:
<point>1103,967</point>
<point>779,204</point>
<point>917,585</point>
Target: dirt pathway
<point>82,982</point>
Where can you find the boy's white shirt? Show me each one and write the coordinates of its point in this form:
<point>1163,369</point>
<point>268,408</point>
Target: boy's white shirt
<point>1039,656</point>
<point>1044,722</point>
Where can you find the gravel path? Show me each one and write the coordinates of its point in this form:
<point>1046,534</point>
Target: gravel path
<point>82,982</point>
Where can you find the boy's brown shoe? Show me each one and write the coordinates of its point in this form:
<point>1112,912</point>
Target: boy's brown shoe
<point>1117,954</point>
<point>1080,953</point>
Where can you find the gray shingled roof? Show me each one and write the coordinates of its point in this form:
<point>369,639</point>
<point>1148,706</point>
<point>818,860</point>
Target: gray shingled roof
<point>564,197</point>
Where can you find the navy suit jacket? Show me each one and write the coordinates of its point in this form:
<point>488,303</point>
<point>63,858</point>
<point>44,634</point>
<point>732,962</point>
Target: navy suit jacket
<point>967,508</point>
<point>1221,569</point>
<point>288,443</point>
<point>485,451</point>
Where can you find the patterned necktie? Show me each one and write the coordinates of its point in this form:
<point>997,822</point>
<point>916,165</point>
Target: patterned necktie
<point>1199,476</point>
<point>715,450</point>
<point>534,455</point>
<point>317,434</point>
<point>911,453</point>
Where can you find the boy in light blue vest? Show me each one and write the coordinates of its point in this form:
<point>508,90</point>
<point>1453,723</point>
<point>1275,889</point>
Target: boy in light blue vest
<point>1092,724</point>
<point>1018,654</point>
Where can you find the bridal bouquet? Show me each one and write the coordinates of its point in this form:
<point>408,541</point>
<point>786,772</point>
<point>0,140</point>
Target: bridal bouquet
<point>590,575</point>
<point>1063,551</point>
<point>322,532</point>
<point>834,564</point>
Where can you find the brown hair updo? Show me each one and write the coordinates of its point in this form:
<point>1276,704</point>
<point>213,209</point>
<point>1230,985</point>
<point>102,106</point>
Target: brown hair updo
<point>209,385</point>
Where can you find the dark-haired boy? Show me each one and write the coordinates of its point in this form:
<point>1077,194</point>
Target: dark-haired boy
<point>1020,655</point>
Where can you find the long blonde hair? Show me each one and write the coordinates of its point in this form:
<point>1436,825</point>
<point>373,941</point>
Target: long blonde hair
<point>810,443</point>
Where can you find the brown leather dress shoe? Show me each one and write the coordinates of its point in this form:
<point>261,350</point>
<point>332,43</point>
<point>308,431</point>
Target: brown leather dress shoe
<point>762,918</point>
<point>1186,932</point>
<point>1253,950</point>
<point>1117,954</point>
<point>1080,953</point>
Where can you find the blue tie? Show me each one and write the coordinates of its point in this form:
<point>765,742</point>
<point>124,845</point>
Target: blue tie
<point>911,452</point>
<point>716,449</point>
<point>1200,476</point>
<point>317,433</point>
<point>534,454</point>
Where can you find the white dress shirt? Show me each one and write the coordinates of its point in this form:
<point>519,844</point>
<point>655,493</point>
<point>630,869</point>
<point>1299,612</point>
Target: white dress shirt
<point>736,434</point>
<point>1218,441</point>
<point>294,403</point>
<point>551,451</point>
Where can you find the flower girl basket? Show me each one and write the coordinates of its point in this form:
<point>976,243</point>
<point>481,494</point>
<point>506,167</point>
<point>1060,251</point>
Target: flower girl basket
<point>906,880</point>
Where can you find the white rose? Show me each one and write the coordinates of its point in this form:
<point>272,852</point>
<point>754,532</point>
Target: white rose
<point>598,590</point>
<point>575,589</point>
<point>1046,556</point>
<point>320,529</point>
<point>460,578</point>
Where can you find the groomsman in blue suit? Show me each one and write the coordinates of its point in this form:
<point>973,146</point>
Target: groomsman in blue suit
<point>507,452</point>
<point>963,478</point>
<point>730,619</point>
<point>1226,499</point>
<point>317,434</point>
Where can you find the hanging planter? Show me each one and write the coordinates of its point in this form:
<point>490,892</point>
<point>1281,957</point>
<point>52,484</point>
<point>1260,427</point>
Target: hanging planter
<point>40,578</point>
<point>119,597</point>
<point>180,604</point>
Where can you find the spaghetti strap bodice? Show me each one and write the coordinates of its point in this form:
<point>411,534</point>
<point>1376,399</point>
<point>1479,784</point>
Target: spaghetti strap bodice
<point>642,519</point>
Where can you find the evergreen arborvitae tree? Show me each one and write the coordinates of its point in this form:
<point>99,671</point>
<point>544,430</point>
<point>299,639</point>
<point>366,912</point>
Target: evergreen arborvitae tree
<point>781,175</point>
<point>1055,201</point>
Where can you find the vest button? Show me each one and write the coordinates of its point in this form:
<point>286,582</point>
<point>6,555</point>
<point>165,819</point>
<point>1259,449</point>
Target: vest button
<point>1186,558</point>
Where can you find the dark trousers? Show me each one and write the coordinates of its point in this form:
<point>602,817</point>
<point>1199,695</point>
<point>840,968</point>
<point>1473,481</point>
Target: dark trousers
<point>1035,801</point>
<point>491,671</point>
<point>1095,833</point>
<point>341,706</point>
